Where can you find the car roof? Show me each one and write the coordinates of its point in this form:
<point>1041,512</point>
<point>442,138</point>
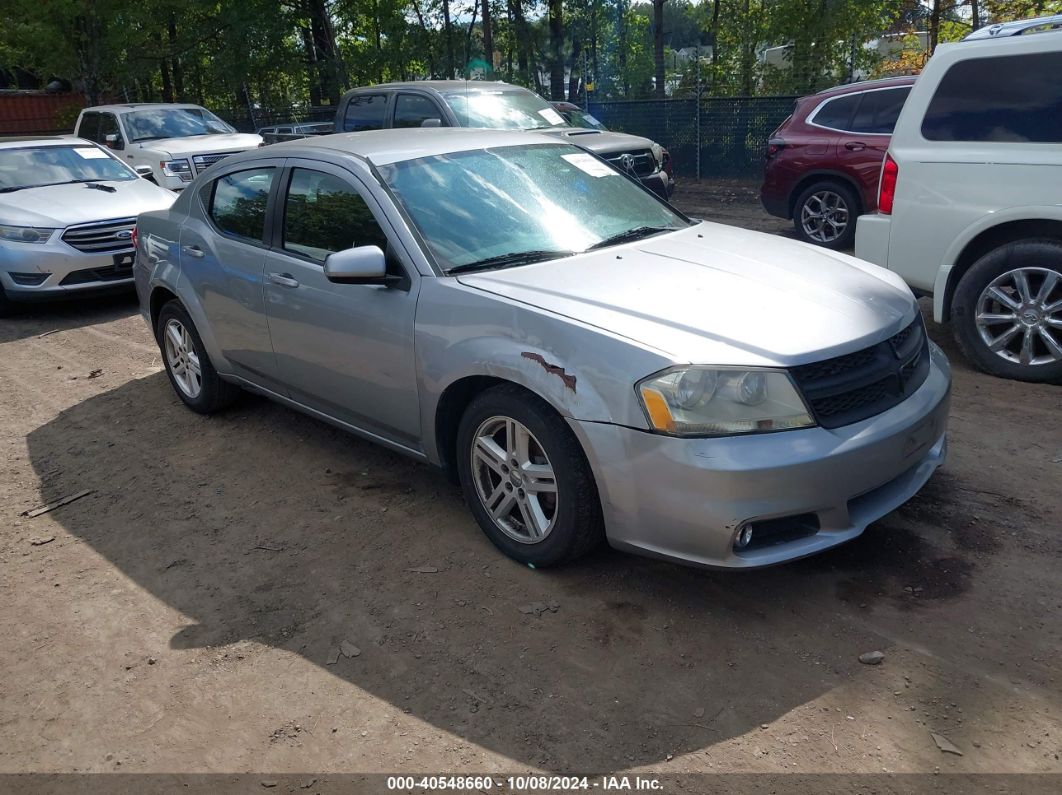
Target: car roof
<point>1019,27</point>
<point>447,85</point>
<point>866,85</point>
<point>128,106</point>
<point>19,141</point>
<point>383,147</point>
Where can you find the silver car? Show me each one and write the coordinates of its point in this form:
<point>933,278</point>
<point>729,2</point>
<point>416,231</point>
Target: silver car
<point>587,362</point>
<point>67,209</point>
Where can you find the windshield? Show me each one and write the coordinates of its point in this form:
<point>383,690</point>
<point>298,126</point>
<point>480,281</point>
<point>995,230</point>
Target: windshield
<point>579,118</point>
<point>545,200</point>
<point>517,109</point>
<point>36,166</point>
<point>144,125</point>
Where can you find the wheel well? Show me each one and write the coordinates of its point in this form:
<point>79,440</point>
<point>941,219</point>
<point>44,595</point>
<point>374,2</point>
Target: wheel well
<point>160,296</point>
<point>992,239</point>
<point>811,179</point>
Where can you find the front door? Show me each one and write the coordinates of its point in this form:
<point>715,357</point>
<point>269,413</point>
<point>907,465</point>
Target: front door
<point>343,349</point>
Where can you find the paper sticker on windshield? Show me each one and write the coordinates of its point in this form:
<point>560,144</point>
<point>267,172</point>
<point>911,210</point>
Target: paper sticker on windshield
<point>590,164</point>
<point>90,152</point>
<point>551,116</point>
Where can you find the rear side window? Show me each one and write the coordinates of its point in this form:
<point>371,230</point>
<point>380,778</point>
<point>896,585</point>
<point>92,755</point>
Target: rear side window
<point>837,113</point>
<point>238,205</point>
<point>878,111</point>
<point>365,112</point>
<point>324,214</point>
<point>411,110</point>
<point>1015,98</point>
<point>90,127</point>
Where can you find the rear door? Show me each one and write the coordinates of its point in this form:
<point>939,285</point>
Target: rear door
<point>412,110</point>
<point>365,111</point>
<point>223,252</point>
<point>861,146</point>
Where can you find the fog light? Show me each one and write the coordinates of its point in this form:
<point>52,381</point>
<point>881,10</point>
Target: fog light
<point>744,537</point>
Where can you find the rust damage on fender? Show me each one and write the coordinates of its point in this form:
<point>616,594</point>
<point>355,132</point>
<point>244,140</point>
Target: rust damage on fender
<point>568,379</point>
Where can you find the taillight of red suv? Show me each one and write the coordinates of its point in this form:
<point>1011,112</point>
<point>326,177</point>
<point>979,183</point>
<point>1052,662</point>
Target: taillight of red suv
<point>887,191</point>
<point>774,146</point>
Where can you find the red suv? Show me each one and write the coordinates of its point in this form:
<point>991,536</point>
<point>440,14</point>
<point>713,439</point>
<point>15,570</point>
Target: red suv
<point>823,162</point>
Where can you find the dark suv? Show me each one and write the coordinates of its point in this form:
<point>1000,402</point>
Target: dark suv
<point>823,162</point>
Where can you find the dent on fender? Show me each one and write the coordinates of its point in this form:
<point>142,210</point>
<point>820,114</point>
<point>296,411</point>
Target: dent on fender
<point>567,378</point>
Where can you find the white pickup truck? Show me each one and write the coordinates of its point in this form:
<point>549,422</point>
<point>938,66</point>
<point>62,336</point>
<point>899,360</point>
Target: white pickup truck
<point>169,144</point>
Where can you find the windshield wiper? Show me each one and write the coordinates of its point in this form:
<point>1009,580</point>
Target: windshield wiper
<point>150,138</point>
<point>14,188</point>
<point>510,260</point>
<point>633,234</point>
<point>98,186</point>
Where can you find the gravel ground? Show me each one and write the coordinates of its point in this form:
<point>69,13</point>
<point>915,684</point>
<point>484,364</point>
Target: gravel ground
<point>187,614</point>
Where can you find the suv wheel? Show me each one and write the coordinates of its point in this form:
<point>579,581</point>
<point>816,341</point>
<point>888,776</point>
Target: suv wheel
<point>825,214</point>
<point>1008,311</point>
<point>190,371</point>
<point>526,479</point>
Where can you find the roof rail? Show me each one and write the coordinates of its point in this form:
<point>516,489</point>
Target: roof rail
<point>1017,28</point>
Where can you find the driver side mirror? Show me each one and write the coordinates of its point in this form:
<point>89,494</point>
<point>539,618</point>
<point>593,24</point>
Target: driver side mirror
<point>431,123</point>
<point>361,265</point>
<point>144,172</point>
<point>114,141</point>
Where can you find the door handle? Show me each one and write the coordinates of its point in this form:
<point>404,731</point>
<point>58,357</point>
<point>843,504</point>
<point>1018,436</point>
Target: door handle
<point>193,251</point>
<point>855,146</point>
<point>283,279</point>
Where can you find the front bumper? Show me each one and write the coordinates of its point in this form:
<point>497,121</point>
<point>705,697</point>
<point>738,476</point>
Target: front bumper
<point>54,270</point>
<point>686,499</point>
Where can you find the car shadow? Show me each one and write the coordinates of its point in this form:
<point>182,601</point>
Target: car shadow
<point>264,525</point>
<point>45,318</point>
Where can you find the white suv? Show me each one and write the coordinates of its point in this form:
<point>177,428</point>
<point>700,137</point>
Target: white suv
<point>970,199</point>
<point>170,144</point>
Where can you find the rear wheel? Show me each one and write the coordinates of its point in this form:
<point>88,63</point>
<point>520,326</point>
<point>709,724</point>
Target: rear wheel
<point>526,479</point>
<point>825,214</point>
<point>188,366</point>
<point>1007,311</point>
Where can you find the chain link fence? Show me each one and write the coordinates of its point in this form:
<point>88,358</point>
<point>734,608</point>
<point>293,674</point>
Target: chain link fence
<point>713,136</point>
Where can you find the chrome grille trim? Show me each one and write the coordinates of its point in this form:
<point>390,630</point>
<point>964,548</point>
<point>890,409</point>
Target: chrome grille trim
<point>641,162</point>
<point>100,237</point>
<point>203,162</point>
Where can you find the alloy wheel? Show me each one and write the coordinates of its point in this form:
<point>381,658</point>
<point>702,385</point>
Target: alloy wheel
<point>824,216</point>
<point>514,479</point>
<point>182,358</point>
<point>1019,316</point>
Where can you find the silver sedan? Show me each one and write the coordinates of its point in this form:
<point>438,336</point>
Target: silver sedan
<point>585,361</point>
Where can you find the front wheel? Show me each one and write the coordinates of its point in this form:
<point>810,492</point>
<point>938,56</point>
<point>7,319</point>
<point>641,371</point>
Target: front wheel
<point>6,306</point>
<point>825,214</point>
<point>1007,311</point>
<point>526,479</point>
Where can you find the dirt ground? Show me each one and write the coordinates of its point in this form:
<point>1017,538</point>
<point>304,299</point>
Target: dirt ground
<point>187,614</point>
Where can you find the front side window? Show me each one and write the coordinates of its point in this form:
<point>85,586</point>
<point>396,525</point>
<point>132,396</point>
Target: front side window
<point>324,214</point>
<point>514,204</point>
<point>168,122</point>
<point>412,110</point>
<point>38,166</point>
<point>109,126</point>
<point>837,113</point>
<point>365,112</point>
<point>89,129</point>
<point>511,109</point>
<point>1015,98</point>
<point>238,205</point>
<point>879,110</point>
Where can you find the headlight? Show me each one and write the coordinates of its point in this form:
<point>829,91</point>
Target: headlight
<point>658,155</point>
<point>177,168</point>
<point>25,234</point>
<point>721,401</point>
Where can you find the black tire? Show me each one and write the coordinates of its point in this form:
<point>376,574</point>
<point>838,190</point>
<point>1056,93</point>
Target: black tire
<point>7,306</point>
<point>847,201</point>
<point>215,394</point>
<point>1043,256</point>
<point>577,526</point>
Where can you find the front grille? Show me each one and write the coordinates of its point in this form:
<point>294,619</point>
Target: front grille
<point>639,163</point>
<point>203,162</point>
<point>852,387</point>
<point>103,237</point>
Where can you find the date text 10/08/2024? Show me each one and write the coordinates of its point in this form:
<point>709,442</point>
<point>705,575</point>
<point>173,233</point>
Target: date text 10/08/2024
<point>529,783</point>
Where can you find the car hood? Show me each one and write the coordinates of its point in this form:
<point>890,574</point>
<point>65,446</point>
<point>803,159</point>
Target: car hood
<point>600,141</point>
<point>65,205</point>
<point>715,294</point>
<point>203,144</point>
